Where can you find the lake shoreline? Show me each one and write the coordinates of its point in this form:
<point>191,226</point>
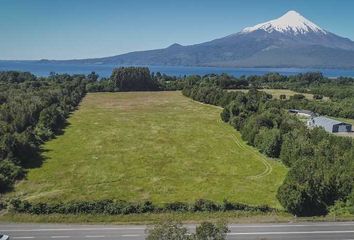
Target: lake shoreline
<point>43,69</point>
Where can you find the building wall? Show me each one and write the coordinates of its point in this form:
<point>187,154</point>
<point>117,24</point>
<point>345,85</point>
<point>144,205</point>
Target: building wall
<point>330,127</point>
<point>342,128</point>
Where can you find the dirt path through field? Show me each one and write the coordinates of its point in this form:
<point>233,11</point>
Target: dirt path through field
<point>268,167</point>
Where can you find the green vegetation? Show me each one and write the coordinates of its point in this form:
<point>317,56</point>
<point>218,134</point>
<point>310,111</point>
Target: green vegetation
<point>32,110</point>
<point>110,207</point>
<point>146,218</point>
<point>176,231</point>
<point>347,120</point>
<point>312,88</point>
<point>321,164</point>
<point>124,79</point>
<point>159,153</point>
<point>282,93</point>
<point>157,146</point>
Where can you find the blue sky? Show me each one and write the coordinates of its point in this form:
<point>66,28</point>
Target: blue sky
<point>66,29</point>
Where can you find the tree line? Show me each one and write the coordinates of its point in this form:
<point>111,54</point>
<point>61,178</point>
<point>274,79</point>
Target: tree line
<point>32,110</point>
<point>124,79</point>
<point>340,91</point>
<point>320,164</point>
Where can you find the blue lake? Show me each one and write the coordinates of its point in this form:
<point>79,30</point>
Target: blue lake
<point>43,69</point>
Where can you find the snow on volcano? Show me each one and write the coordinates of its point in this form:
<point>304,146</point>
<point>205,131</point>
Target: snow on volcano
<point>291,22</point>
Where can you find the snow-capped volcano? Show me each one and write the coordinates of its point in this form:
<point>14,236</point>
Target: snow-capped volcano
<point>288,41</point>
<point>291,22</point>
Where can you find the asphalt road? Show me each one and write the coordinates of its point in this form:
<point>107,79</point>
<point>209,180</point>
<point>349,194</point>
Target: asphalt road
<point>338,231</point>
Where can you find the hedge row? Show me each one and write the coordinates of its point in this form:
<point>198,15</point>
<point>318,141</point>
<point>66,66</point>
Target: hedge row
<point>112,207</point>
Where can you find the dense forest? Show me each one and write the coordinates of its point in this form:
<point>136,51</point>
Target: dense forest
<point>32,110</point>
<point>321,167</point>
<point>124,79</point>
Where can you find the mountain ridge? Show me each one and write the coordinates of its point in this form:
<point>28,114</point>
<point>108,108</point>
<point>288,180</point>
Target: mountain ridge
<point>290,40</point>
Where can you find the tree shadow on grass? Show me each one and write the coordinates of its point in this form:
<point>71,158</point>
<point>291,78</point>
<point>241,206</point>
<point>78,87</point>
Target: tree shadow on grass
<point>36,160</point>
<point>61,129</point>
<point>33,156</point>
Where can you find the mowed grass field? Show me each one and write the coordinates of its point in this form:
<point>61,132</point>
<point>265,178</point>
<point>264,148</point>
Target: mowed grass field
<point>277,92</point>
<point>158,146</point>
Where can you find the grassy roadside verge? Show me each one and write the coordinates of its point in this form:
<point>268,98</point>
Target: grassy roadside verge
<point>231,217</point>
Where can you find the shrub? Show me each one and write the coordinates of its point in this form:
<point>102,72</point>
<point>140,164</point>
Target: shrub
<point>297,97</point>
<point>211,231</point>
<point>176,207</point>
<point>3,205</point>
<point>269,142</point>
<point>9,172</point>
<point>225,115</point>
<point>237,122</point>
<point>202,205</point>
<point>111,207</point>
<point>169,230</point>
<point>172,230</point>
<point>317,97</point>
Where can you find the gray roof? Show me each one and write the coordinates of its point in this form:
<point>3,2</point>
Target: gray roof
<point>306,112</point>
<point>327,121</point>
<point>302,111</point>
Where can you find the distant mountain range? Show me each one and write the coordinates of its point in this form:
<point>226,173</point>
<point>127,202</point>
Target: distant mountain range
<point>289,41</point>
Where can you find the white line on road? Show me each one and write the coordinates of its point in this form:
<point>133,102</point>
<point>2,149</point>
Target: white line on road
<point>60,237</point>
<point>284,233</point>
<point>131,235</point>
<point>22,237</point>
<point>143,228</point>
<point>72,229</point>
<point>291,225</point>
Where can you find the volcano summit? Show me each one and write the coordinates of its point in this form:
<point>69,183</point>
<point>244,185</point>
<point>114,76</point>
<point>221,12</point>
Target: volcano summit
<point>288,41</point>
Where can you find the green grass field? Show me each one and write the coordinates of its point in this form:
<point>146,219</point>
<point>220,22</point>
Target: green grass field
<point>158,146</point>
<point>277,92</point>
<point>346,120</point>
